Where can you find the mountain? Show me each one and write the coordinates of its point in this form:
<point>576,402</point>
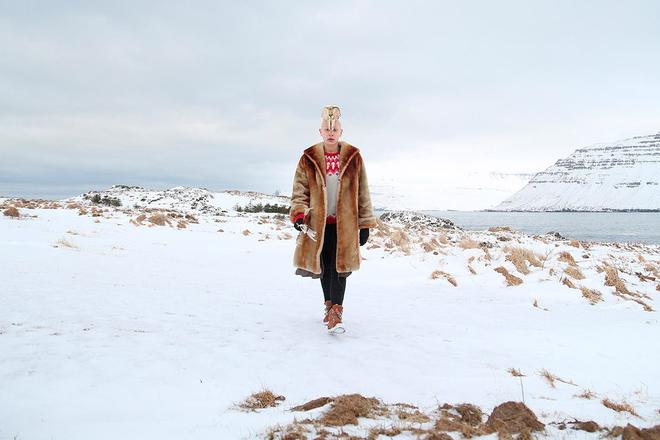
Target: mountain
<point>617,176</point>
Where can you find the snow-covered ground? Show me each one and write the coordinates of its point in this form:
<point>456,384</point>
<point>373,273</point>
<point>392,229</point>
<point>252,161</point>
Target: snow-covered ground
<point>111,327</point>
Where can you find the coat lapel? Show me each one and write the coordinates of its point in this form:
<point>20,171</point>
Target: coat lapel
<point>316,154</point>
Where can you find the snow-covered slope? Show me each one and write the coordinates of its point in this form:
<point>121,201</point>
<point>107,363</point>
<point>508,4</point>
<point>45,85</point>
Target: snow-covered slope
<point>623,175</point>
<point>114,327</point>
<point>183,199</point>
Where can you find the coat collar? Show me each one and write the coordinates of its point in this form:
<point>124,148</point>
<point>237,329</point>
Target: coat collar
<point>316,154</point>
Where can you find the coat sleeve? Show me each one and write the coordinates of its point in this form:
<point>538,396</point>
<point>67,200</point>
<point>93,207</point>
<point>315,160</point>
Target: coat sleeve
<point>299,193</point>
<point>366,217</point>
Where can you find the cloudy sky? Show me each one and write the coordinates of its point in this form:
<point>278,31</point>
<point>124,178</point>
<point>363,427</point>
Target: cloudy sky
<point>225,95</point>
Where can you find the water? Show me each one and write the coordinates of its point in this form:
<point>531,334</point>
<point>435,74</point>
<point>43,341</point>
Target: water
<point>643,227</point>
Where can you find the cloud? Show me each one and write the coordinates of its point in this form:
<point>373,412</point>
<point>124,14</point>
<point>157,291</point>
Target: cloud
<point>220,94</point>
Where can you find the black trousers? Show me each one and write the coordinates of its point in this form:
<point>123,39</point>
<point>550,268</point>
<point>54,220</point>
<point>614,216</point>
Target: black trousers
<point>333,285</point>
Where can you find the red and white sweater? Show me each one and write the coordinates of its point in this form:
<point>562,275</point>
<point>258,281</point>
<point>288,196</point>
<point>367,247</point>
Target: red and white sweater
<point>331,182</point>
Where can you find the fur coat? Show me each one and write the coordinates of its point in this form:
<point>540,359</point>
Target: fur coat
<point>354,210</point>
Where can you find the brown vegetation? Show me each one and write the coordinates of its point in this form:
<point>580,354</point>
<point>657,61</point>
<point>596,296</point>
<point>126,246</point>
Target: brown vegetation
<point>346,409</point>
<point>574,272</point>
<point>520,257</point>
<point>440,274</point>
<point>468,243</point>
<point>592,295</point>
<point>551,378</point>
<point>11,212</point>
<point>515,372</point>
<point>586,394</point>
<point>511,280</point>
<point>313,404</point>
<point>566,257</point>
<point>260,400</point>
<point>619,407</point>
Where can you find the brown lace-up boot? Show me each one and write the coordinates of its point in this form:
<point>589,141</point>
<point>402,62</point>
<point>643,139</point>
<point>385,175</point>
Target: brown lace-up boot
<point>335,325</point>
<point>328,306</point>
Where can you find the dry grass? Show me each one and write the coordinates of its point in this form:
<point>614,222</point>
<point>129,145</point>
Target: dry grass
<point>586,394</point>
<point>566,257</point>
<point>469,266</point>
<point>11,212</point>
<point>159,219</point>
<point>612,279</point>
<point>468,243</point>
<point>619,407</point>
<point>574,243</point>
<point>511,280</point>
<point>568,283</point>
<point>260,400</point>
<point>246,232</point>
<point>65,243</point>
<point>515,372</point>
<point>520,257</point>
<point>574,272</point>
<point>650,267</point>
<point>182,224</point>
<point>292,431</point>
<point>313,404</point>
<point>536,304</point>
<point>346,409</point>
<point>551,379</point>
<point>440,274</point>
<point>414,416</point>
<point>592,295</point>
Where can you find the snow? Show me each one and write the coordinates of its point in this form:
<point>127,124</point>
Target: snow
<point>112,330</point>
<point>622,175</point>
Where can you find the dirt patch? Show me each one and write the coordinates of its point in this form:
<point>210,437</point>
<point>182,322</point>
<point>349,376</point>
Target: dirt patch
<point>346,409</point>
<point>260,400</point>
<point>589,426</point>
<point>512,418</point>
<point>313,404</point>
<point>631,432</point>
<point>511,280</point>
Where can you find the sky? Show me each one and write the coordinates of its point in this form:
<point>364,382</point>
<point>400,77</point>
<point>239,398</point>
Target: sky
<point>226,95</point>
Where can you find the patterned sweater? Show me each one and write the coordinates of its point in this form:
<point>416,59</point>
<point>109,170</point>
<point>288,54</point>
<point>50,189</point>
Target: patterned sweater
<point>331,182</point>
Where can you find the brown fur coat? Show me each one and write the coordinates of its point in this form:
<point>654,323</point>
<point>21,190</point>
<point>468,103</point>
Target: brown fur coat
<point>354,210</point>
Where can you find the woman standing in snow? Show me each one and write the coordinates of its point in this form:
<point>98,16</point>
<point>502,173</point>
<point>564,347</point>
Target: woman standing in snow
<point>331,207</point>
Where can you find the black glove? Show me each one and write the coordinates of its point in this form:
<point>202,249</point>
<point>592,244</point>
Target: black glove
<point>298,224</point>
<point>364,235</point>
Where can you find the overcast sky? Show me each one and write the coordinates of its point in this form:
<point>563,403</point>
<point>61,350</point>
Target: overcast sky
<point>225,95</point>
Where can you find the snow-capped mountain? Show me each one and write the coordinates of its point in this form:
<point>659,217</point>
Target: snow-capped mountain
<point>617,176</point>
